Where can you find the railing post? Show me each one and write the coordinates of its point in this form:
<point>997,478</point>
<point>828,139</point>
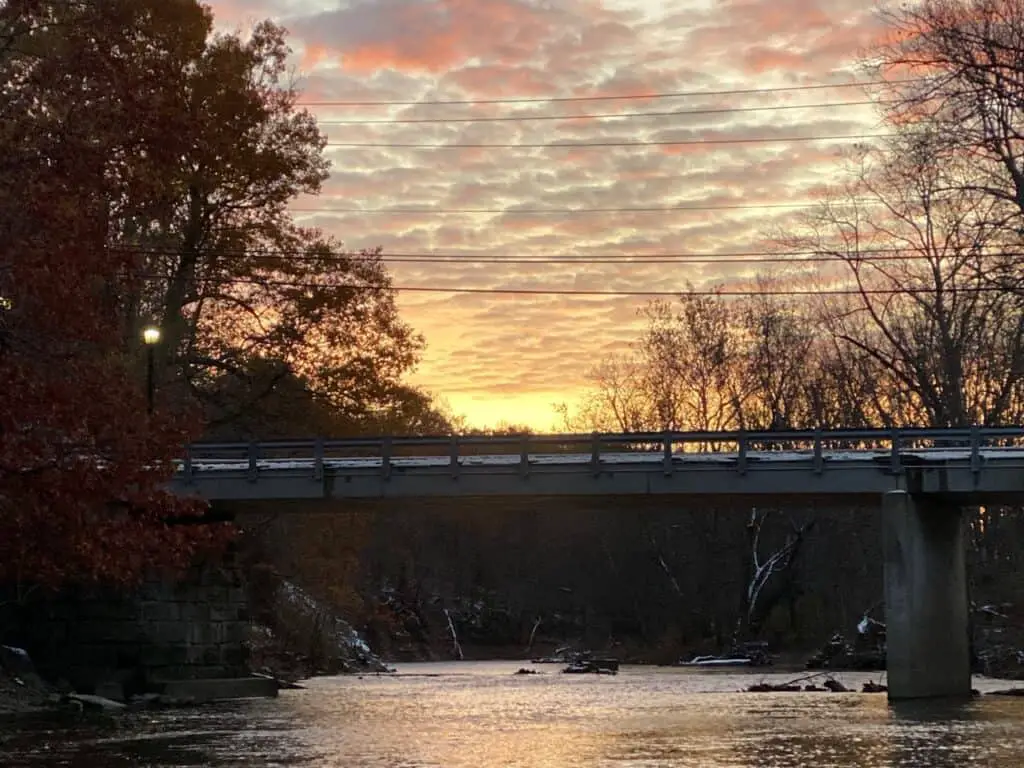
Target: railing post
<point>895,464</point>
<point>975,450</point>
<point>386,450</point>
<point>819,457</point>
<point>318,459</point>
<point>667,464</point>
<point>453,456</point>
<point>254,455</point>
<point>595,453</point>
<point>741,452</point>
<point>524,456</point>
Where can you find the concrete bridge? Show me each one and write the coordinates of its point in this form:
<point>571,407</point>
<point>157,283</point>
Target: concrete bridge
<point>923,478</point>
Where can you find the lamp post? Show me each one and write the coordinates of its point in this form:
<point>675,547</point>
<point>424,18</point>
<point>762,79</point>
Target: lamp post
<point>150,337</point>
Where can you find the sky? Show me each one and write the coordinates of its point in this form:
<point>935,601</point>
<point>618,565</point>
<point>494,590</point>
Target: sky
<point>509,357</point>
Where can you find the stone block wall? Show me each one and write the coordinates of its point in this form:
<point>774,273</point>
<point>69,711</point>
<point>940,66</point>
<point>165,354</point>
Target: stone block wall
<point>193,627</point>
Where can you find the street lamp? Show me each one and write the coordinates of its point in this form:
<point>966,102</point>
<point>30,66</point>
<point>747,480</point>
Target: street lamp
<point>150,337</point>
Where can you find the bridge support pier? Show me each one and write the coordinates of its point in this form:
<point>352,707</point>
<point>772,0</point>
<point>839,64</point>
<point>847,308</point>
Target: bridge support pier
<point>928,650</point>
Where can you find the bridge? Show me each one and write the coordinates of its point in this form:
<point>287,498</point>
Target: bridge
<point>923,478</point>
<point>975,465</point>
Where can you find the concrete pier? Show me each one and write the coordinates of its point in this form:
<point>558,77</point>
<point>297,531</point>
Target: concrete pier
<point>928,651</point>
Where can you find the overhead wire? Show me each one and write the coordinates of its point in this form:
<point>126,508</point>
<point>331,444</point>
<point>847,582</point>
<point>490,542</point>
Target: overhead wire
<point>312,285</point>
<point>603,115</point>
<point>602,97</point>
<point>732,257</point>
<point>748,257</point>
<point>588,144</point>
<point>572,211</point>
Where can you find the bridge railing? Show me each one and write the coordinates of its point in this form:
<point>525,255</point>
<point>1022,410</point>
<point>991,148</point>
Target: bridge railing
<point>454,451</point>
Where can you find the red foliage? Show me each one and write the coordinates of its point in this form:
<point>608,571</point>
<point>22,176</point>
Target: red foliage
<point>82,466</point>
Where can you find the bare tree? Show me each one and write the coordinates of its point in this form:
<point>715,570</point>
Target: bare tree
<point>957,71</point>
<point>912,239</point>
<point>617,400</point>
<point>957,67</point>
<point>778,341</point>
<point>764,568</point>
<point>692,351</point>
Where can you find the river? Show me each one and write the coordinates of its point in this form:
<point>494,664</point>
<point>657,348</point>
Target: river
<point>482,715</point>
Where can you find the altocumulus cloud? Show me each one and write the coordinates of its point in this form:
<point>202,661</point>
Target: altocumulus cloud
<point>497,356</point>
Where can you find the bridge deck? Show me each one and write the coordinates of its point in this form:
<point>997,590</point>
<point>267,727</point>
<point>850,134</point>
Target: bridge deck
<point>963,462</point>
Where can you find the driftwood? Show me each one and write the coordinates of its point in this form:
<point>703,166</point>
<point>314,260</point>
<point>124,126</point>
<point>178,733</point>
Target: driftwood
<point>773,688</point>
<point>793,686</point>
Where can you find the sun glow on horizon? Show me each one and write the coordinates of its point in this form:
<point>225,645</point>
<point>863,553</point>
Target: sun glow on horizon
<point>530,409</point>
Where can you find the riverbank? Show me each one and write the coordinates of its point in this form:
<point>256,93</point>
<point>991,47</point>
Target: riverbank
<point>22,691</point>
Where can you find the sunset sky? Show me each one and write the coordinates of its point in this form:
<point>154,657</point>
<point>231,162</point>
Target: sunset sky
<point>509,357</point>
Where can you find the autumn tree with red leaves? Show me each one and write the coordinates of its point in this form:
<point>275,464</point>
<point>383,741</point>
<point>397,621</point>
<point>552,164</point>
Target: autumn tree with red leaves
<point>84,116</point>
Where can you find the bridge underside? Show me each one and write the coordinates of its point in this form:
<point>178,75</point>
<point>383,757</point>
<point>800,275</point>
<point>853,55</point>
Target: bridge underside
<point>970,485</point>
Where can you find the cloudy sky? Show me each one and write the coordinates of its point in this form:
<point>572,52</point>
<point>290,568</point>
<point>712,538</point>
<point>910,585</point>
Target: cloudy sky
<point>508,357</point>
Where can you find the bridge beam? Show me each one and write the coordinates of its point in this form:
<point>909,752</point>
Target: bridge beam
<point>928,650</point>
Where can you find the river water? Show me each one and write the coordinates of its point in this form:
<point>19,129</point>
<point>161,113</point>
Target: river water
<point>481,715</point>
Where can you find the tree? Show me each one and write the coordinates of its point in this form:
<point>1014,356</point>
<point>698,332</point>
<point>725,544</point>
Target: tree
<point>957,72</point>
<point>224,269</point>
<point>912,238</point>
<point>618,401</point>
<point>712,362</point>
<point>81,466</point>
<point>775,374</point>
<point>692,357</point>
<point>268,400</point>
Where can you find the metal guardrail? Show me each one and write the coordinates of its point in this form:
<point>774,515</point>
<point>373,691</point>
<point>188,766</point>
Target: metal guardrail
<point>813,444</point>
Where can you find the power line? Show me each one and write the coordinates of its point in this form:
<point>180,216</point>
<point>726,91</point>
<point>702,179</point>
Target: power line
<point>575,292</point>
<point>570,211</point>
<point>740,257</point>
<point>601,115</point>
<point>585,144</point>
<point>622,97</point>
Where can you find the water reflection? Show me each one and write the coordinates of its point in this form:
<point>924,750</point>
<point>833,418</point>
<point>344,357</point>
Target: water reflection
<point>480,715</point>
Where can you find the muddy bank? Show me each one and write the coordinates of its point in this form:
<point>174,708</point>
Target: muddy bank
<point>22,690</point>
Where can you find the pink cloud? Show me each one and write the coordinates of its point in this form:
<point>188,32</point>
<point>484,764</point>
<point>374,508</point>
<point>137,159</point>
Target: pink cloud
<point>760,59</point>
<point>434,37</point>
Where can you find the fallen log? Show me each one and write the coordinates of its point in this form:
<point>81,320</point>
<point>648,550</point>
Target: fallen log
<point>773,688</point>
<point>792,686</point>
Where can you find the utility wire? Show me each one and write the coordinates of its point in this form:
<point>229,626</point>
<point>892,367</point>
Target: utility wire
<point>585,144</point>
<point>569,211</point>
<point>574,292</point>
<point>622,97</point>
<point>740,257</point>
<point>602,115</point>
